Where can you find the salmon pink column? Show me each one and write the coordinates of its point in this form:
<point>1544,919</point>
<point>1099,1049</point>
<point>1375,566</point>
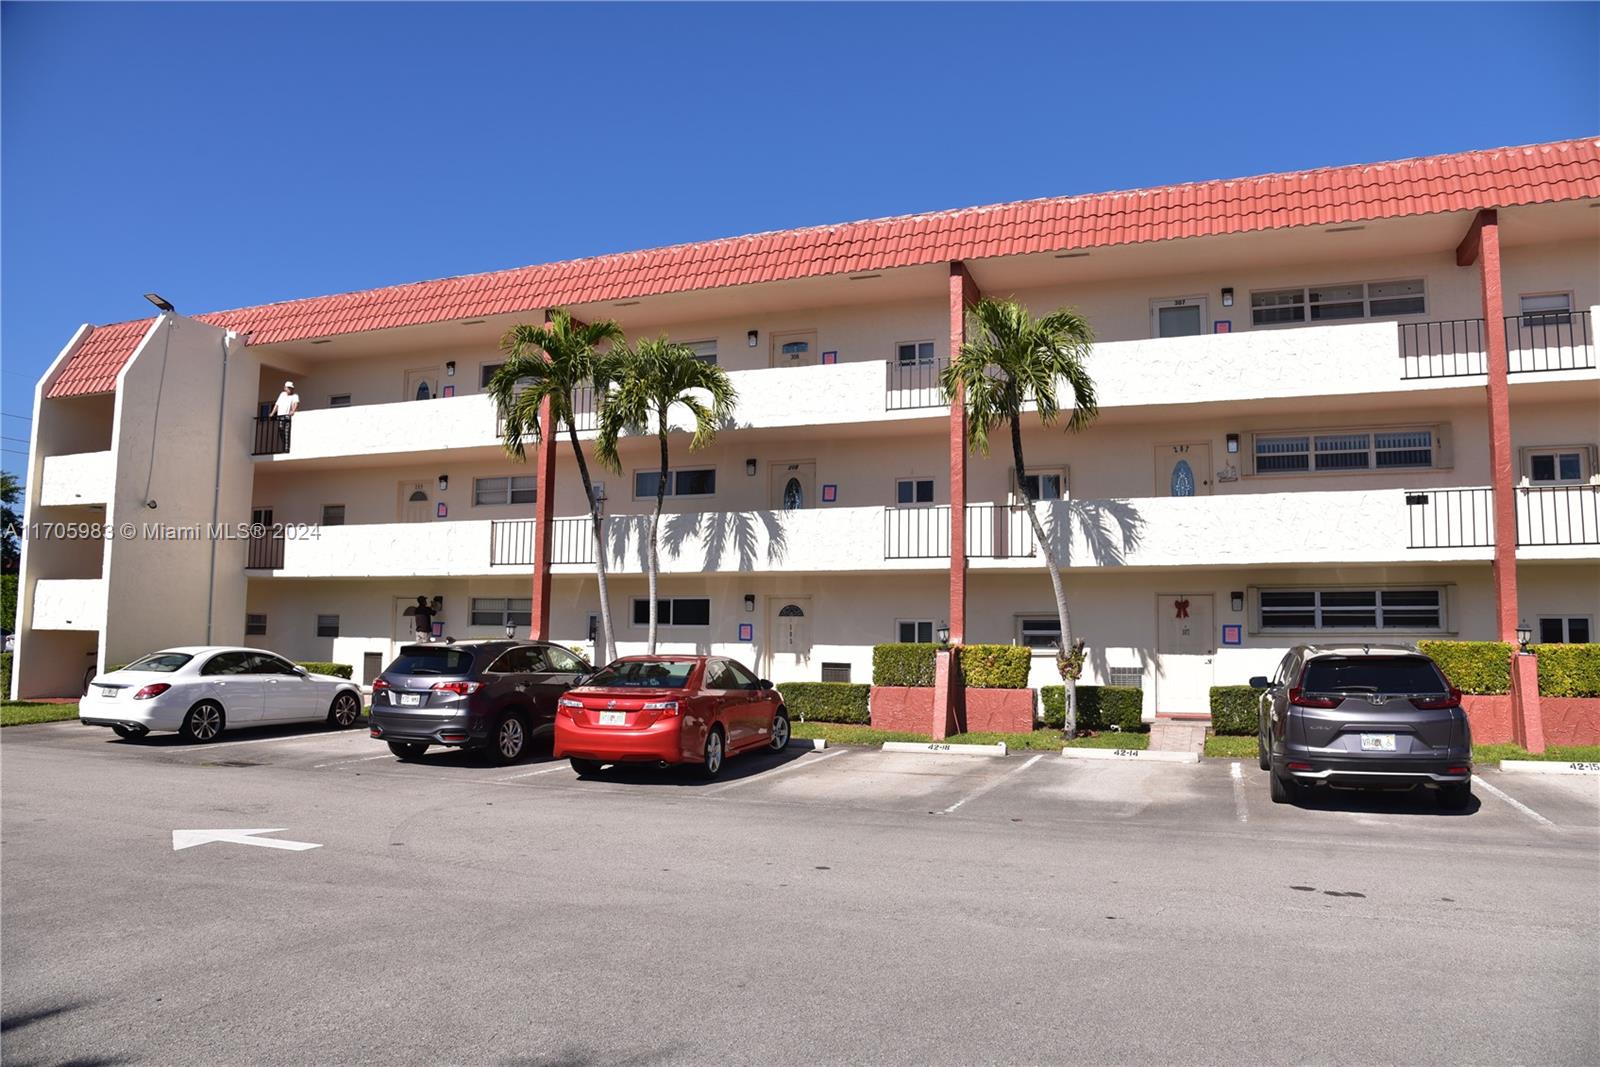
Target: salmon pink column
<point>1482,245</point>
<point>963,294</point>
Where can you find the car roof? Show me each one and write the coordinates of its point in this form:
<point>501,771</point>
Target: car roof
<point>1360,650</point>
<point>202,650</point>
<point>669,656</point>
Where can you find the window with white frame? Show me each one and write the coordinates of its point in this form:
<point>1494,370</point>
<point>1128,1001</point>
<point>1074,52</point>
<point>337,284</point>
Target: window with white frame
<point>511,489</point>
<point>1565,629</point>
<point>1331,303</point>
<point>697,482</point>
<point>913,491</point>
<point>498,611</point>
<point>333,514</point>
<point>1343,451</point>
<point>1351,609</point>
<point>914,353</point>
<point>327,626</point>
<point>1133,677</point>
<point>1558,466</point>
<point>1042,632</point>
<point>705,351</point>
<point>914,631</point>
<point>673,611</point>
<point>1044,483</point>
<point>1545,309</point>
<point>255,625</point>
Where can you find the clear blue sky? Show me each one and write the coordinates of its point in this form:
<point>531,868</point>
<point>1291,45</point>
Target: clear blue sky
<point>234,154</point>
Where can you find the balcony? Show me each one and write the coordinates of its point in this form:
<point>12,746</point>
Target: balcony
<point>76,479</point>
<point>69,604</point>
<point>1456,348</point>
<point>1548,517</point>
<point>377,550</point>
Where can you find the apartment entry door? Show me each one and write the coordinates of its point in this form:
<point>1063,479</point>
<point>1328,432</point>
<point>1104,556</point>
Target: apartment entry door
<point>1183,469</point>
<point>795,349</point>
<point>422,384</point>
<point>789,640</point>
<point>1183,316</point>
<point>1185,649</point>
<point>416,503</point>
<point>794,485</point>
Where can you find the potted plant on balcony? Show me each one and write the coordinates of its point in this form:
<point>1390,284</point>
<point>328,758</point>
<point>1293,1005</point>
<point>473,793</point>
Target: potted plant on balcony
<point>650,379</point>
<point>1011,359</point>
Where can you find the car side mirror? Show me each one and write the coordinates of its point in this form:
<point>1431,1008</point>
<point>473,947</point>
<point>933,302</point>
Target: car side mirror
<point>1260,682</point>
<point>765,684</point>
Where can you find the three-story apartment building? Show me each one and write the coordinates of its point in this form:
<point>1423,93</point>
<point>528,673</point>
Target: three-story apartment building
<point>1349,404</point>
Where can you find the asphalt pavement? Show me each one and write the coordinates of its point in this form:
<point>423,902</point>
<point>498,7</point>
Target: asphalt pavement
<point>842,906</point>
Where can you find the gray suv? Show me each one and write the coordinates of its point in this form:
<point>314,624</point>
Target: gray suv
<point>1368,716</point>
<point>486,695</point>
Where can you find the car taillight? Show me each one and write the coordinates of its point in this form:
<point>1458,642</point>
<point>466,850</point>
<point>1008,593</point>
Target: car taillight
<point>153,690</point>
<point>567,703</point>
<point>1298,698</point>
<point>460,689</point>
<point>667,708</point>
<point>1452,700</point>
<point>379,684</point>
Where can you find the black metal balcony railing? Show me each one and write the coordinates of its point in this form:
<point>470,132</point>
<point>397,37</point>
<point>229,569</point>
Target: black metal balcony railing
<point>910,385</point>
<point>994,531</point>
<point>1454,348</point>
<point>511,542</point>
<point>271,435</point>
<point>264,552</point>
<point>1547,515</point>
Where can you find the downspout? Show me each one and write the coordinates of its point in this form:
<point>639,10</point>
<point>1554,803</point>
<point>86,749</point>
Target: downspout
<point>216,491</point>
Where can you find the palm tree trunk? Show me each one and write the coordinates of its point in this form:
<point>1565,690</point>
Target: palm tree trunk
<point>655,523</point>
<point>603,653</point>
<point>1063,615</point>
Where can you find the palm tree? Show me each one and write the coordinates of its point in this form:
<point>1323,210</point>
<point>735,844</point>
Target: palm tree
<point>1011,359</point>
<point>551,362</point>
<point>651,378</point>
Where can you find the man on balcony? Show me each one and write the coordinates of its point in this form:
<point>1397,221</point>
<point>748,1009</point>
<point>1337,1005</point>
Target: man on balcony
<point>283,410</point>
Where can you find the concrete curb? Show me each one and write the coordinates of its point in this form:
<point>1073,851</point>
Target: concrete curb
<point>1533,766</point>
<point>1132,755</point>
<point>814,744</point>
<point>939,748</point>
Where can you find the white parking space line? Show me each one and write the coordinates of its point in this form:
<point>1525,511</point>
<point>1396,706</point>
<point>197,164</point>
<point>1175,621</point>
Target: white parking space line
<point>991,784</point>
<point>562,766</point>
<point>1515,803</point>
<point>323,735</point>
<point>1239,807</point>
<point>803,761</point>
<point>342,762</point>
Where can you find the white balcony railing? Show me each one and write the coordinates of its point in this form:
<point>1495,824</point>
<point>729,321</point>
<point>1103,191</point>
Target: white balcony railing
<point>68,604</point>
<point>75,479</point>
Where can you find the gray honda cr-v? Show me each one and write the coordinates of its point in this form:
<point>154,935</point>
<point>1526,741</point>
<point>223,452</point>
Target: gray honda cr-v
<point>1369,716</point>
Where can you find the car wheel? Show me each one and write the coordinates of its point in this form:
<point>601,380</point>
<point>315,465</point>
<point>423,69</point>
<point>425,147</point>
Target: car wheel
<point>1284,790</point>
<point>203,723</point>
<point>509,741</point>
<point>780,730</point>
<point>131,733</point>
<point>712,759</point>
<point>586,767</point>
<point>1455,796</point>
<point>345,711</point>
<point>1263,757</point>
<point>407,751</point>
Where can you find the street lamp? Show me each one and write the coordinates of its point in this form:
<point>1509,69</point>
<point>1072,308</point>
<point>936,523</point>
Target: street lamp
<point>1524,635</point>
<point>944,632</point>
<point>159,301</point>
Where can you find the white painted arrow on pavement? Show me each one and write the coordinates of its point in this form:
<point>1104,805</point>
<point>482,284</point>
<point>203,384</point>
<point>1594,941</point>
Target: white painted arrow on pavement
<point>190,838</point>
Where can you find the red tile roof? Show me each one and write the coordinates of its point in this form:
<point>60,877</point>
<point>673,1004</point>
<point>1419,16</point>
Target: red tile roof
<point>1501,177</point>
<point>93,367</point>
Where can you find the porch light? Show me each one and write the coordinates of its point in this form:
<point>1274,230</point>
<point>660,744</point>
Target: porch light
<point>1233,442</point>
<point>944,632</point>
<point>751,337</point>
<point>1236,601</point>
<point>1227,297</point>
<point>159,301</point>
<point>1524,634</point>
<point>449,368</point>
<point>444,483</point>
<point>749,602</point>
<point>511,630</point>
<point>750,467</point>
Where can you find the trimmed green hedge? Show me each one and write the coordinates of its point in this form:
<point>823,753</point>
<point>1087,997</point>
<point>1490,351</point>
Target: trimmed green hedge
<point>906,665</point>
<point>1235,709</point>
<point>1568,670</point>
<point>1476,667</point>
<point>995,666</point>
<point>1099,706</point>
<point>340,670</point>
<point>826,701</point>
<point>5,675</point>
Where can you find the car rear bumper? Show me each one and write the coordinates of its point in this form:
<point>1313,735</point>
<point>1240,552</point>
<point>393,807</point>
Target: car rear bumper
<point>658,742</point>
<point>465,731</point>
<point>1313,766</point>
<point>142,714</point>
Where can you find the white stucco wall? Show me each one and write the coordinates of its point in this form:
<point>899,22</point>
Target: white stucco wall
<point>69,604</point>
<point>76,479</point>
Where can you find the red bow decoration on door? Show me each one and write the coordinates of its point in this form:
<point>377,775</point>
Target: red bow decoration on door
<point>1183,608</point>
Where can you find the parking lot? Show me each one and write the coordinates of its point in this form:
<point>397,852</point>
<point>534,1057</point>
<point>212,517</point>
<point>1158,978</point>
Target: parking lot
<point>844,905</point>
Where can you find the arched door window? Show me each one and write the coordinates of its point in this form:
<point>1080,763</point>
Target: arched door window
<point>794,496</point>
<point>423,392</point>
<point>791,611</point>
<point>1182,479</point>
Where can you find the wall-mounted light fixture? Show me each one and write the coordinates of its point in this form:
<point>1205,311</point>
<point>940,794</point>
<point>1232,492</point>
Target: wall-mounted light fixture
<point>1233,443</point>
<point>1227,297</point>
<point>749,602</point>
<point>1236,601</point>
<point>750,336</point>
<point>750,467</point>
<point>450,368</point>
<point>444,483</point>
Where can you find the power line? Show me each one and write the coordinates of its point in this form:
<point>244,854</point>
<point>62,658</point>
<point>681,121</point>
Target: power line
<point>18,440</point>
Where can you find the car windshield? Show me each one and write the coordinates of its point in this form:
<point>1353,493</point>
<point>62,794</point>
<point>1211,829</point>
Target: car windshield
<point>1373,674</point>
<point>644,674</point>
<point>431,659</point>
<point>160,662</point>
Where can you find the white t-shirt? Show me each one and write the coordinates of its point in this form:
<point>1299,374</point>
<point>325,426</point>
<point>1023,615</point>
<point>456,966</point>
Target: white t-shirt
<point>287,404</point>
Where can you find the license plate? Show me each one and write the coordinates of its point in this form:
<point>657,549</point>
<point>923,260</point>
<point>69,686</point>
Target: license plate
<point>108,692</point>
<point>1377,742</point>
<point>613,718</point>
<point>410,700</point>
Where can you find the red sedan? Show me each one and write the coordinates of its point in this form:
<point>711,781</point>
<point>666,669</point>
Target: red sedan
<point>669,709</point>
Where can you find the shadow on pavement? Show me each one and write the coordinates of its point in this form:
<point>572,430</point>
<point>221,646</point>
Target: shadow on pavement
<point>1414,801</point>
<point>737,768</point>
